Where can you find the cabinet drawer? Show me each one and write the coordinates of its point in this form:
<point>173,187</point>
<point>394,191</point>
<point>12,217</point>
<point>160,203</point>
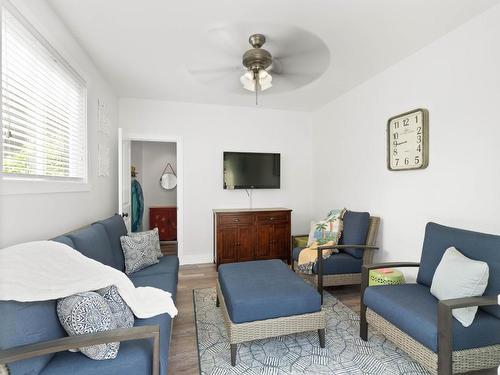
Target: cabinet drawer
<point>273,217</point>
<point>235,219</point>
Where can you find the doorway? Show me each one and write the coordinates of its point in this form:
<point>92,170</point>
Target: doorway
<point>154,192</point>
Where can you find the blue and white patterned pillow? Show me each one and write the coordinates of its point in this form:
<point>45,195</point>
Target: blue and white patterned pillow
<point>122,313</point>
<point>153,237</point>
<point>138,253</point>
<point>88,312</point>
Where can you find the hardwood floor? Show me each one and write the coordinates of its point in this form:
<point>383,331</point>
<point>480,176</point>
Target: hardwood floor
<point>183,358</point>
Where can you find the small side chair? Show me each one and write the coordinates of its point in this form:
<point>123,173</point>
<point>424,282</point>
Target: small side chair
<point>413,319</point>
<point>356,248</point>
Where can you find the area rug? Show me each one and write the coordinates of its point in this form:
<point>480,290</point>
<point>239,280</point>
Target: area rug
<point>345,352</point>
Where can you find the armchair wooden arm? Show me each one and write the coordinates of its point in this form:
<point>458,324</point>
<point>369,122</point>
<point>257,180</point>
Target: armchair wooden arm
<point>73,342</point>
<point>445,327</point>
<point>365,275</point>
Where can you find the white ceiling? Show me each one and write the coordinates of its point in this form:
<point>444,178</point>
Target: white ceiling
<point>145,48</point>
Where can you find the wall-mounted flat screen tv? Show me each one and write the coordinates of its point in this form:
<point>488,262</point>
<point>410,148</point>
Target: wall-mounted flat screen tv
<point>251,170</point>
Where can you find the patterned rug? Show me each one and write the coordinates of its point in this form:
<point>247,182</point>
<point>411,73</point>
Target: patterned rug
<point>345,352</point>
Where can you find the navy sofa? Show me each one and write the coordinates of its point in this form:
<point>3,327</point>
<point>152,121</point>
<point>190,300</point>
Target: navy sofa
<point>416,321</point>
<point>33,322</point>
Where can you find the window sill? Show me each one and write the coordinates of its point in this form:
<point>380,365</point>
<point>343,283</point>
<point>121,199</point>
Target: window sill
<point>15,186</point>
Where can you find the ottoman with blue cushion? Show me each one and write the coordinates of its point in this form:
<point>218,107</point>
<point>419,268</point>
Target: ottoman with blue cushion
<point>263,299</point>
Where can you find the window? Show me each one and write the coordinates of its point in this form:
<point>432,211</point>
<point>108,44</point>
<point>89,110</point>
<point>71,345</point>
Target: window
<point>43,107</point>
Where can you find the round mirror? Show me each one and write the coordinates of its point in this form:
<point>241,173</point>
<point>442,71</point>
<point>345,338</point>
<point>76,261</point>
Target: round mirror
<point>168,181</point>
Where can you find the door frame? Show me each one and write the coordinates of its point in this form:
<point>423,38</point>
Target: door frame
<point>147,137</point>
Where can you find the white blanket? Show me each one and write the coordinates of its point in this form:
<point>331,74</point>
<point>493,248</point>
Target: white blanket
<point>46,270</point>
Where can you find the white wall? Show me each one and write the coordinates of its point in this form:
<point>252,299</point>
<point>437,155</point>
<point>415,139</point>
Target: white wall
<point>27,217</point>
<point>153,158</point>
<point>457,78</point>
<point>208,130</point>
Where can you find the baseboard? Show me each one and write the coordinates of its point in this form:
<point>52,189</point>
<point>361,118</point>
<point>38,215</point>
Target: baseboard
<point>195,259</point>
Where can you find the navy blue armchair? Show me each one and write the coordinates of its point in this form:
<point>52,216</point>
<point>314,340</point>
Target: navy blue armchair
<point>411,317</point>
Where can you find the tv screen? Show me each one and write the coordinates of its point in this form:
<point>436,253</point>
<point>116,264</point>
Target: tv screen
<point>251,170</point>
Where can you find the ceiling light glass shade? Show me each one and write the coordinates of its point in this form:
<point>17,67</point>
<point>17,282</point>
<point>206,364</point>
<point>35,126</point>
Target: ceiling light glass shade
<point>248,80</point>
<point>265,80</point>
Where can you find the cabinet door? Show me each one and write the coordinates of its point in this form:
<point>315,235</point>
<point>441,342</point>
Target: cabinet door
<point>227,240</point>
<point>245,243</point>
<point>281,241</point>
<point>265,237</point>
<point>171,224</point>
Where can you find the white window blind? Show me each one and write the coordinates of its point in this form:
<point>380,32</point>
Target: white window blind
<point>43,107</point>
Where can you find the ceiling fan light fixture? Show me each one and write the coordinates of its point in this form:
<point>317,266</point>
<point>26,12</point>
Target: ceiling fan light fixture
<point>248,81</point>
<point>265,80</point>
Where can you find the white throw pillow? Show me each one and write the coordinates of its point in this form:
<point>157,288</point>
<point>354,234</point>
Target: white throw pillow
<point>457,276</point>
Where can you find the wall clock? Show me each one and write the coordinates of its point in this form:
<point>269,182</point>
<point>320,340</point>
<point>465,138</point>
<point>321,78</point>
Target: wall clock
<point>408,140</point>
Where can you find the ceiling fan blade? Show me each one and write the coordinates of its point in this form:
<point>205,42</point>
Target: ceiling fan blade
<point>223,40</point>
<point>222,69</point>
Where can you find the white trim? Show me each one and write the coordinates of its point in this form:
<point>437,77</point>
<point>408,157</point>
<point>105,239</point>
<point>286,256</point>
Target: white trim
<point>11,186</point>
<point>145,137</point>
<point>197,259</point>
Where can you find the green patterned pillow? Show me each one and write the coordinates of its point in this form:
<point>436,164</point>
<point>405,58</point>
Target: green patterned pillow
<point>324,231</point>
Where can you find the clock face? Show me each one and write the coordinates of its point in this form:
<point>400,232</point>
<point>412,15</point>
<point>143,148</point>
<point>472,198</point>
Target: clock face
<point>407,141</point>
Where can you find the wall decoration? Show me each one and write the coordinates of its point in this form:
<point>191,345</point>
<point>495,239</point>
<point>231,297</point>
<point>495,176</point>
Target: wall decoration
<point>168,179</point>
<point>408,140</point>
<point>103,159</point>
<point>103,117</point>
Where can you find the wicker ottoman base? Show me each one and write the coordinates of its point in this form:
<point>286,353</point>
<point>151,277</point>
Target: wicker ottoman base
<point>262,329</point>
<point>463,360</point>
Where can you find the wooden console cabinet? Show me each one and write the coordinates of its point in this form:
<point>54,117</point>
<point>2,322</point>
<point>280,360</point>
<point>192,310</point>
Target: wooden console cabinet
<point>241,235</point>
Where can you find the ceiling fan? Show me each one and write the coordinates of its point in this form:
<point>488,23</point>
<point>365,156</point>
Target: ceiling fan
<point>294,58</point>
<point>257,61</point>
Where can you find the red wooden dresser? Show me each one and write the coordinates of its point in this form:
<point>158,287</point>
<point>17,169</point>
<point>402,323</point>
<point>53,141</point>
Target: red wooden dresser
<point>165,219</point>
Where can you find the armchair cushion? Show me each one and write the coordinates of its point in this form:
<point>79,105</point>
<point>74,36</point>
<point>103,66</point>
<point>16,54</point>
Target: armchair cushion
<point>340,263</point>
<point>65,240</point>
<point>134,357</point>
<point>355,230</point>
<point>23,323</point>
<point>93,242</point>
<point>166,282</point>
<point>413,309</point>
<point>335,264</point>
<point>115,228</point>
<point>166,264</point>
<point>474,245</point>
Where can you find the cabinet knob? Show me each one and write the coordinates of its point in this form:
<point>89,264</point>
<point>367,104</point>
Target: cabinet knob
<point>236,220</point>
<point>271,218</point>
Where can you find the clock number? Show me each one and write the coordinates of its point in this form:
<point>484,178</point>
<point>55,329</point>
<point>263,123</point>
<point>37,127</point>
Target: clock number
<point>417,160</point>
<point>395,151</point>
<point>419,138</point>
<point>395,143</point>
<point>407,161</point>
<point>419,130</point>
<point>396,125</point>
<point>406,122</point>
<point>397,161</point>
<point>395,135</point>
<point>419,147</point>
